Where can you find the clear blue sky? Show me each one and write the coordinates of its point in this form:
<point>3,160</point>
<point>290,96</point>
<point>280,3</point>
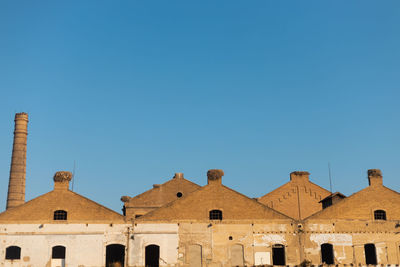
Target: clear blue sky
<point>134,91</point>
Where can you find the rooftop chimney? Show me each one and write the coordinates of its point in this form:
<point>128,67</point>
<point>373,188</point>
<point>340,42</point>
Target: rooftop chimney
<point>178,175</point>
<point>215,176</point>
<point>299,175</point>
<point>374,177</point>
<point>61,180</point>
<point>16,185</point>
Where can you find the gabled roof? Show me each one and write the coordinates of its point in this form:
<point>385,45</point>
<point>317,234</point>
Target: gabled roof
<point>162,194</point>
<point>214,196</point>
<point>79,210</point>
<point>361,205</point>
<point>298,198</point>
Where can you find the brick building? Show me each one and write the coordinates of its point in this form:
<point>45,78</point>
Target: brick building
<point>179,223</point>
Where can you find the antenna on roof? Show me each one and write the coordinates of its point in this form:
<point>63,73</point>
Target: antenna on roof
<point>73,177</point>
<point>330,177</point>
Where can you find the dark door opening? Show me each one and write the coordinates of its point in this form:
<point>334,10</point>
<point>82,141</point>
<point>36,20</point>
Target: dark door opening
<point>278,255</point>
<point>152,256</point>
<point>115,255</point>
<point>370,254</point>
<point>327,254</point>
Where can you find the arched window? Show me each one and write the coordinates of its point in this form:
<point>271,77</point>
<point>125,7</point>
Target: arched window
<point>60,215</point>
<point>13,253</point>
<point>215,215</point>
<point>327,254</point>
<point>370,254</point>
<point>380,215</point>
<point>58,252</point>
<point>278,255</point>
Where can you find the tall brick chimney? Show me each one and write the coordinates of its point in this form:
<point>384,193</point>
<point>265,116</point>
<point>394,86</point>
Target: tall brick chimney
<point>16,185</point>
<point>375,177</point>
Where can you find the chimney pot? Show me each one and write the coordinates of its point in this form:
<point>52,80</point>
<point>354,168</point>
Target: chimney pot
<point>178,175</point>
<point>375,177</point>
<point>299,175</point>
<point>62,179</point>
<point>215,176</point>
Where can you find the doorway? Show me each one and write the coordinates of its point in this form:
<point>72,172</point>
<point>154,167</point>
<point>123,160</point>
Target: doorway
<point>327,254</point>
<point>370,254</point>
<point>152,256</point>
<point>115,255</point>
<point>278,255</point>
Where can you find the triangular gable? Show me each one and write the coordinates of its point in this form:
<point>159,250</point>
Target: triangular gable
<point>162,194</point>
<point>298,198</point>
<point>79,210</point>
<point>197,205</point>
<point>361,205</point>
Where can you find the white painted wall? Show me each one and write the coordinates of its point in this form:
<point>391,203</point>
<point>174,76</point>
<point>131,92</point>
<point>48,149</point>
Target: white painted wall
<point>85,244</point>
<point>164,235</point>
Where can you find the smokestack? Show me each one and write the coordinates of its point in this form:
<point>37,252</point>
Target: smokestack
<point>16,185</point>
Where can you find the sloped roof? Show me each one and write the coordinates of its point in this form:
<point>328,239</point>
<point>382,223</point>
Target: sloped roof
<point>362,204</point>
<point>162,194</point>
<point>196,206</point>
<point>79,209</point>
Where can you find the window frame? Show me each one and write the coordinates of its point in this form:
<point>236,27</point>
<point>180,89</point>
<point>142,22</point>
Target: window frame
<point>60,215</point>
<point>380,215</point>
<point>215,215</point>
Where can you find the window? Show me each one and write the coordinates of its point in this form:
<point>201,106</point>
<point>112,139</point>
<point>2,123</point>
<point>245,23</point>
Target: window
<point>380,215</point>
<point>179,194</point>
<point>13,253</point>
<point>60,215</point>
<point>215,215</point>
<point>58,252</point>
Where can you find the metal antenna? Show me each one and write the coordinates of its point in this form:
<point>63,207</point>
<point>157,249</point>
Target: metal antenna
<point>330,177</point>
<point>73,177</point>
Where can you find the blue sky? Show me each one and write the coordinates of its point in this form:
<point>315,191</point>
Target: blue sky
<point>134,91</point>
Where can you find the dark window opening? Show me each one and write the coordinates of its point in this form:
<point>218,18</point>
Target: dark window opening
<point>326,203</point>
<point>124,210</point>
<point>13,253</point>
<point>179,194</point>
<point>138,215</point>
<point>278,255</point>
<point>60,215</point>
<point>152,256</point>
<point>380,215</point>
<point>115,255</point>
<point>370,254</point>
<point>58,252</point>
<point>327,254</point>
<point>215,215</point>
